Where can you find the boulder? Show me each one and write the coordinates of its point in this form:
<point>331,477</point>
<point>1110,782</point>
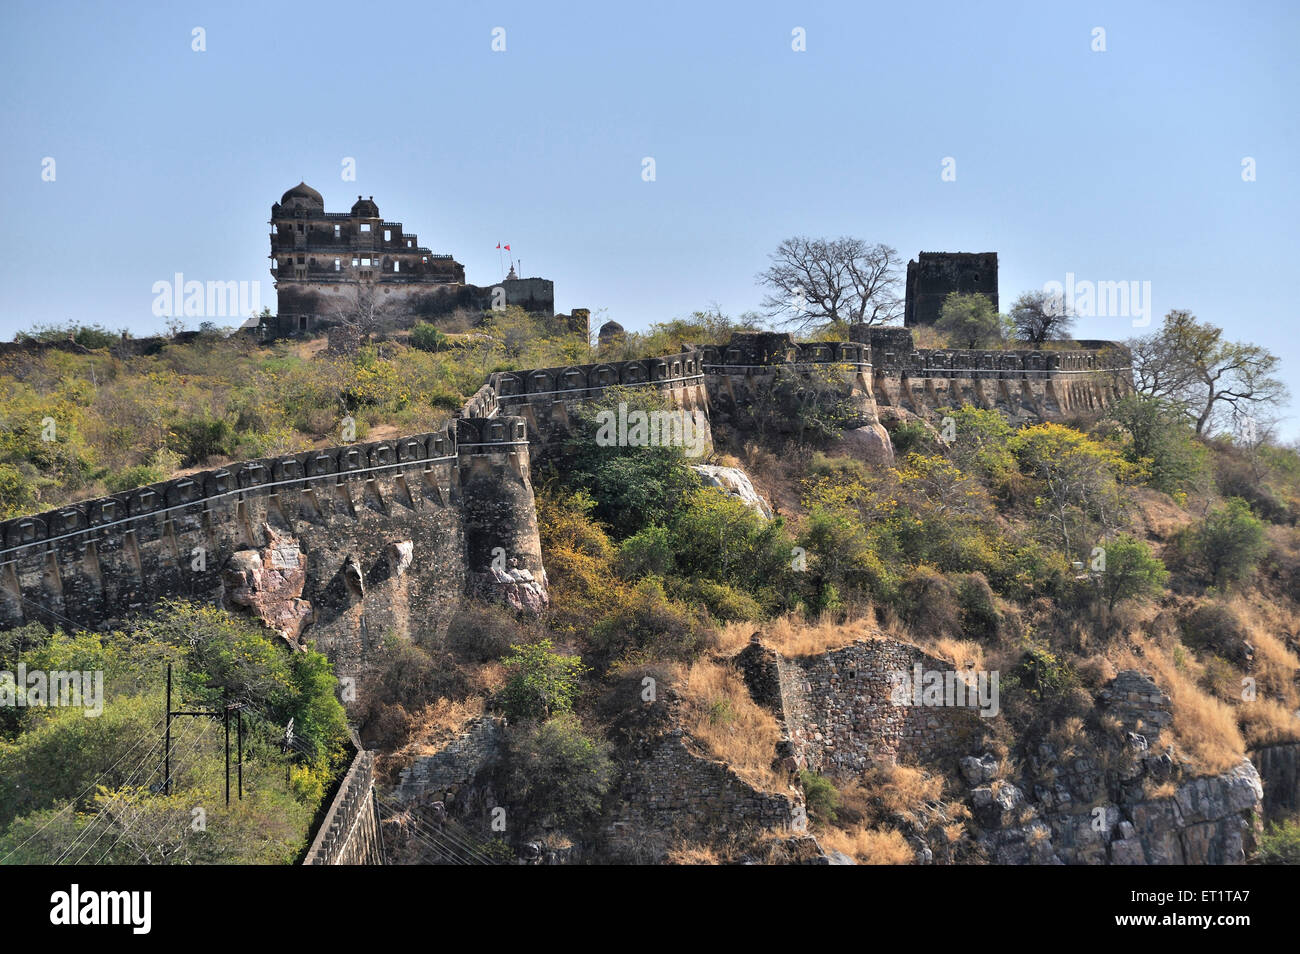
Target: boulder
<point>735,483</point>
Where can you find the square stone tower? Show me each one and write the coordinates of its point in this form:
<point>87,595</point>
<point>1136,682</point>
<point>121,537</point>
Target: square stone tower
<point>932,276</point>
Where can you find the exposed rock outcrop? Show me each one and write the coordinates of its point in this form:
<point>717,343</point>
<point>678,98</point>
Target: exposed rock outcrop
<point>735,483</point>
<point>269,582</point>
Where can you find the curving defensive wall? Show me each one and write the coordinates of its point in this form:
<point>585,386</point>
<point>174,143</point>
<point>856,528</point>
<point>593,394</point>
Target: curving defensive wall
<point>349,544</point>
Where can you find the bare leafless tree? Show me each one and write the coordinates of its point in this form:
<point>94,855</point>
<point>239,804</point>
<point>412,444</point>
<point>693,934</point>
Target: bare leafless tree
<point>1039,316</point>
<point>364,313</point>
<point>818,282</point>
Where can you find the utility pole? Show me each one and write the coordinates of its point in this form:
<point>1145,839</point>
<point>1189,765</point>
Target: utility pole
<point>224,715</point>
<point>167,759</point>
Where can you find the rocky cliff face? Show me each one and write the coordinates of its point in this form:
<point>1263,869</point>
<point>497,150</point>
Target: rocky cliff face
<point>1098,808</point>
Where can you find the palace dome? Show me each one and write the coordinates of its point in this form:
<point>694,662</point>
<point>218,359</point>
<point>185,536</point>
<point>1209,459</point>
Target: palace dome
<point>302,196</point>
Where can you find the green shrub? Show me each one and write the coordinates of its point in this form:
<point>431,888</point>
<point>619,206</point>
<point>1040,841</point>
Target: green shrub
<point>1132,571</point>
<point>541,682</point>
<point>913,437</point>
<point>426,337</point>
<point>649,623</point>
<point>821,798</point>
<point>1042,675</point>
<point>555,772</point>
<point>136,476</point>
<point>88,336</point>
<point>200,437</point>
<point>725,603</point>
<point>648,552</point>
<point>1162,440</point>
<point>1227,544</point>
<point>631,487</point>
<point>1280,843</point>
<point>980,618</point>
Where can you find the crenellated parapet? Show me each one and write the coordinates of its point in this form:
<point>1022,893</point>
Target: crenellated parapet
<point>547,398</point>
<point>1025,384</point>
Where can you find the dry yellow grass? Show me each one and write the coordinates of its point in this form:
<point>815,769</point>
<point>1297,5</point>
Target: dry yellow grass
<point>868,846</point>
<point>792,635</point>
<point>1275,666</point>
<point>960,653</point>
<point>896,790</point>
<point>1267,722</point>
<point>488,678</point>
<point>1204,728</point>
<point>692,854</point>
<point>432,726</point>
<point>721,716</point>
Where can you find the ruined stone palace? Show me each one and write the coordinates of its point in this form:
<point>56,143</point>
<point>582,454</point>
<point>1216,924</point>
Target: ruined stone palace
<point>323,262</point>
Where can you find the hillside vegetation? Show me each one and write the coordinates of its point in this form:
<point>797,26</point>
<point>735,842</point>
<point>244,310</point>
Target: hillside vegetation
<point>1056,553</point>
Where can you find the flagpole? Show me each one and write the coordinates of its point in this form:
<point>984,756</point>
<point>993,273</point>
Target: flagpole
<point>500,261</point>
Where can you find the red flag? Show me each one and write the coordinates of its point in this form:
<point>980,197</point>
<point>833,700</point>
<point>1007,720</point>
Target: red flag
<point>498,244</point>
<point>507,248</point>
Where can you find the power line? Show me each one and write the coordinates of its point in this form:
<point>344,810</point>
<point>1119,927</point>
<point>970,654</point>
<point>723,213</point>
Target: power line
<point>126,782</point>
<point>192,752</point>
<point>99,778</point>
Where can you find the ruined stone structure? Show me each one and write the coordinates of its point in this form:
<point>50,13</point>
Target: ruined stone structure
<point>672,791</point>
<point>838,713</point>
<point>323,261</point>
<point>932,276</point>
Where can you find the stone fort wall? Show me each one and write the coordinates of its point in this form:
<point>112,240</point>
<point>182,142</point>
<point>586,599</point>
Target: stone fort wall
<point>349,834</point>
<point>348,544</point>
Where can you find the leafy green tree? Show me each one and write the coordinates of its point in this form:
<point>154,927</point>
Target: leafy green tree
<point>1228,543</point>
<point>1132,571</point>
<point>646,623</point>
<point>632,487</point>
<point>648,551</point>
<point>970,320</point>
<point>718,537</point>
<point>541,682</point>
<point>1162,441</point>
<point>1077,477</point>
<point>981,442</point>
<point>1189,362</point>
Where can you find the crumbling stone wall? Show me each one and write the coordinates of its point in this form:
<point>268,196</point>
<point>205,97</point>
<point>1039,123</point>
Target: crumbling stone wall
<point>671,794</point>
<point>841,718</point>
<point>439,777</point>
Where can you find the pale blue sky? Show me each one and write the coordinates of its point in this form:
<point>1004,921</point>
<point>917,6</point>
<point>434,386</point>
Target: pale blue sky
<point>1116,165</point>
